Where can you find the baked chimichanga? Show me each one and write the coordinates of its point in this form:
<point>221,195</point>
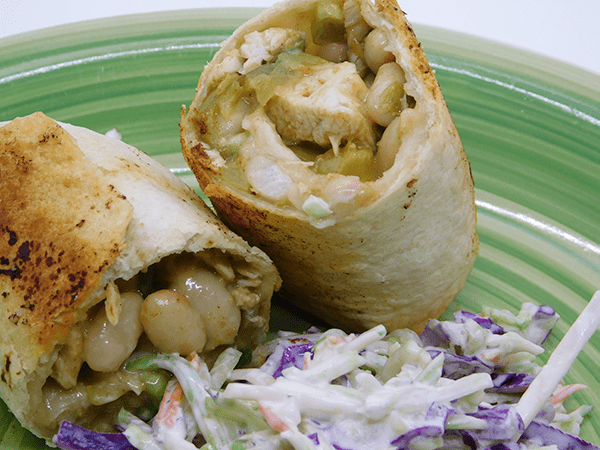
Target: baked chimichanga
<point>320,134</point>
<point>104,253</point>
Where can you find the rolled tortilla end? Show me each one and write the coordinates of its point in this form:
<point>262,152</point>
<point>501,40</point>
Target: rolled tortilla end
<point>339,158</point>
<point>104,255</point>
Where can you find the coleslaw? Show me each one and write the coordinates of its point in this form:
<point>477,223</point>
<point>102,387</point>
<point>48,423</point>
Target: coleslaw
<point>469,383</point>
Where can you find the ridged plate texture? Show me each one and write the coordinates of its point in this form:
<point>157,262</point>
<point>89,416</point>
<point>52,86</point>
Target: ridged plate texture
<point>530,127</point>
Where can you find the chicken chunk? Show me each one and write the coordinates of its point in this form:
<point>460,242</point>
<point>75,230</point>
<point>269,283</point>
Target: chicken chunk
<point>325,107</point>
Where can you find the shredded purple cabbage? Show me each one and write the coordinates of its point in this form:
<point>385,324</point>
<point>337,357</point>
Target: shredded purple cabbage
<point>337,447</point>
<point>74,437</point>
<point>503,422</point>
<point>547,414</point>
<point>435,335</point>
<point>427,431</point>
<point>510,383</point>
<point>506,446</point>
<point>314,437</point>
<point>456,366</point>
<point>544,312</point>
<point>438,415</point>
<point>544,318</point>
<point>293,356</point>
<point>462,436</point>
<point>485,322</point>
<point>548,435</point>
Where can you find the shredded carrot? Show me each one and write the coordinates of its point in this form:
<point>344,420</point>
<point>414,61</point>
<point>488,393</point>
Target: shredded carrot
<point>171,402</point>
<point>493,356</point>
<point>195,360</point>
<point>272,419</point>
<point>306,361</point>
<point>562,392</point>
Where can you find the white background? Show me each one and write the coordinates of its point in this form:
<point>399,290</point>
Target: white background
<point>568,31</point>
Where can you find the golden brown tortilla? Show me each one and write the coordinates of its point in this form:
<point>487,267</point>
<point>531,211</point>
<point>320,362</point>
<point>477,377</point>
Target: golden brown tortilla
<point>51,225</point>
<point>385,234</point>
<point>78,212</point>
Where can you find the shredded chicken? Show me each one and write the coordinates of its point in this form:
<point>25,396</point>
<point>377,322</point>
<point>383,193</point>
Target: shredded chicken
<point>263,47</point>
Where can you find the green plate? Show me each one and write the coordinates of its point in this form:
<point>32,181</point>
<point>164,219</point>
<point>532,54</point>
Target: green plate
<point>530,127</point>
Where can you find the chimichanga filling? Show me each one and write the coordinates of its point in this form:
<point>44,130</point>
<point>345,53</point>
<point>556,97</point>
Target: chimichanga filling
<point>185,303</point>
<point>321,135</point>
<point>105,254</point>
<point>308,116</point>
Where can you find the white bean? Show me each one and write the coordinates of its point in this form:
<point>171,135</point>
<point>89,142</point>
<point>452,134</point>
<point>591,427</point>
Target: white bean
<point>207,292</point>
<point>384,100</point>
<point>375,53</point>
<point>107,346</point>
<point>334,52</point>
<point>172,324</point>
<point>388,146</point>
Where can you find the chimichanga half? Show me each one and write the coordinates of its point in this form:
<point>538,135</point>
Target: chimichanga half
<point>321,135</point>
<point>104,254</point>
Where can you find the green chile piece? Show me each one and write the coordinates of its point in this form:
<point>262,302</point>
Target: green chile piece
<point>350,160</point>
<point>329,24</point>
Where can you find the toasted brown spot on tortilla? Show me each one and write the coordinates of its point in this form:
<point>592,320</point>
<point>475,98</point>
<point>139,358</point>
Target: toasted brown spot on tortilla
<point>45,267</point>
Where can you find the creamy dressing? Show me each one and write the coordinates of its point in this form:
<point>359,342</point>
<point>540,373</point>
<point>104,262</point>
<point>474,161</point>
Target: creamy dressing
<point>560,361</point>
<point>331,390</point>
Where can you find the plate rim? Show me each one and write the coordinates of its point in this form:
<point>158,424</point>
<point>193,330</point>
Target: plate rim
<point>559,74</point>
<point>563,75</point>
